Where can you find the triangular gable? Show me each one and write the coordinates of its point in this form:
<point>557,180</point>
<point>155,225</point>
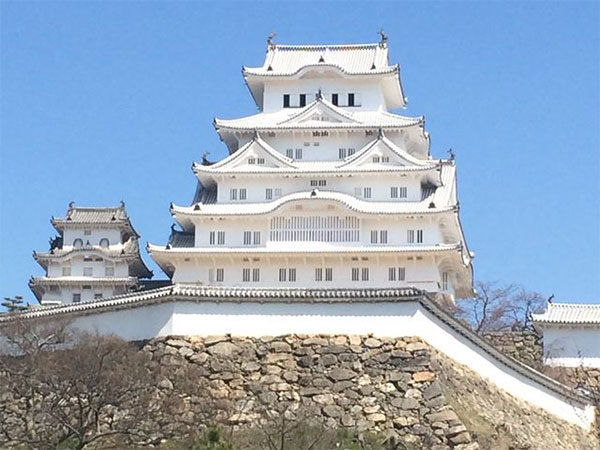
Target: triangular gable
<point>320,111</point>
<point>382,151</point>
<point>255,154</point>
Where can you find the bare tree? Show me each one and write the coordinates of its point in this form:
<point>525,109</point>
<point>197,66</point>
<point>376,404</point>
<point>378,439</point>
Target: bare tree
<point>63,387</point>
<point>286,425</point>
<point>499,308</point>
<point>24,346</point>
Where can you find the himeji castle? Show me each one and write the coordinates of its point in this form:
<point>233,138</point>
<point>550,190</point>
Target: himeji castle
<point>95,255</point>
<point>329,217</point>
<point>325,187</point>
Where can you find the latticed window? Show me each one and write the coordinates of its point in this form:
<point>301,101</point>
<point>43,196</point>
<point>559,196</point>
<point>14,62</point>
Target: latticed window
<point>355,273</point>
<point>256,274</point>
<point>246,275</point>
<point>328,274</point>
<point>76,298</point>
<point>247,237</point>
<point>445,281</point>
<point>397,273</point>
<point>315,229</point>
<point>109,271</point>
<point>410,236</point>
<point>392,274</point>
<point>401,273</point>
<point>383,237</point>
<point>318,274</point>
<point>398,192</point>
<point>365,274</point>
<point>66,271</point>
<point>379,236</point>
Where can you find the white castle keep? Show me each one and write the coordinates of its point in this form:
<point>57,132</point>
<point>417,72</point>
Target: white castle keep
<point>324,187</point>
<point>95,255</point>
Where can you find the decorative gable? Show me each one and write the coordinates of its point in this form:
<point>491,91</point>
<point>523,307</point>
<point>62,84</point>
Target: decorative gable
<point>382,151</point>
<point>255,155</point>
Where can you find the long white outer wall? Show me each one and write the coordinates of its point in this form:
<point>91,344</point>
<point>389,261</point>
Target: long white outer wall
<point>254,319</point>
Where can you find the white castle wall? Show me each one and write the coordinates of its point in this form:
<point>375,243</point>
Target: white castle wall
<point>65,294</point>
<point>380,186</point>
<point>379,319</point>
<point>70,234</point>
<point>572,346</point>
<point>370,93</point>
<point>396,226</point>
<point>422,274</point>
<point>77,266</point>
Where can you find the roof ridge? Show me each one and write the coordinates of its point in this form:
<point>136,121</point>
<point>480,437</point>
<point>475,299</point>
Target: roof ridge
<point>573,305</point>
<point>99,208</point>
<point>325,46</point>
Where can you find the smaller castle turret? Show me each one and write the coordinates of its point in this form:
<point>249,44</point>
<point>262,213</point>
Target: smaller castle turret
<point>95,255</point>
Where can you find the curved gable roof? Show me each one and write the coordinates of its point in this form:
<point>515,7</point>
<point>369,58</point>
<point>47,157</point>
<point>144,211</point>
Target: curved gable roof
<point>360,156</point>
<point>256,145</point>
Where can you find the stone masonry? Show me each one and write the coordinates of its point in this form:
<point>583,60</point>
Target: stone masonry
<point>398,387</point>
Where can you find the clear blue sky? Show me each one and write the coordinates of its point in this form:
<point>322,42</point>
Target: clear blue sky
<point>109,101</point>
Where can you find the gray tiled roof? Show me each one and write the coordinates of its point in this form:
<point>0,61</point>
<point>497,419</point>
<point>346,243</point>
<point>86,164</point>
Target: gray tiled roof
<point>86,215</point>
<point>181,239</point>
<point>204,195</point>
<point>351,59</point>
<point>569,313</point>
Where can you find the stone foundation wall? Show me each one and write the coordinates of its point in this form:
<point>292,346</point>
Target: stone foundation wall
<point>362,383</point>
<point>398,387</point>
<point>525,346</point>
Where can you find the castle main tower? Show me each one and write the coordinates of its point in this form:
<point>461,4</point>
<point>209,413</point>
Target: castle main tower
<point>324,187</point>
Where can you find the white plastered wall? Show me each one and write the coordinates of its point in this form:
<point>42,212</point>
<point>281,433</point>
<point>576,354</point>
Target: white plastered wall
<point>380,185</point>
<point>370,92</point>
<point>572,346</point>
<point>422,273</point>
